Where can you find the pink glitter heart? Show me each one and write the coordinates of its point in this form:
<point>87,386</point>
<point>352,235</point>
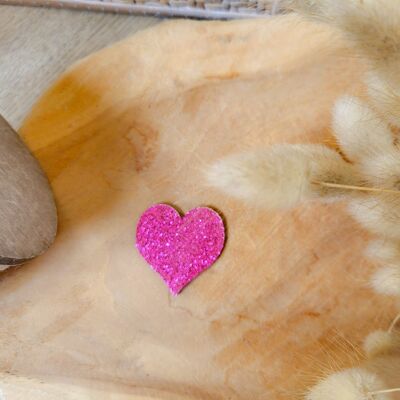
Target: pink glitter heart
<point>179,249</point>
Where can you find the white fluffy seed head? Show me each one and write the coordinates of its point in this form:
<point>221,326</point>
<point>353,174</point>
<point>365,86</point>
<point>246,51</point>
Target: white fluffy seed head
<point>368,140</point>
<point>385,96</point>
<point>387,280</point>
<point>371,25</point>
<point>384,250</point>
<point>382,170</point>
<point>359,131</point>
<point>380,343</point>
<point>379,214</point>
<point>350,384</point>
<point>283,175</point>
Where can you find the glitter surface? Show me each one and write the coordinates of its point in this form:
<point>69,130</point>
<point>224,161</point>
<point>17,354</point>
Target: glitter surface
<point>179,249</point>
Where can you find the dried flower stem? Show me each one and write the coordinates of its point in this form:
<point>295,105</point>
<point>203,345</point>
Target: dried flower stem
<point>359,188</point>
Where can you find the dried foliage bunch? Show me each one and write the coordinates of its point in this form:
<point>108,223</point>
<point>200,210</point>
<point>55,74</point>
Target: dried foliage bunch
<point>366,173</point>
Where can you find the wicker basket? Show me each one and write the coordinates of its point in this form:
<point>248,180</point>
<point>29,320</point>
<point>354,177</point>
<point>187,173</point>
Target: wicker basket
<point>207,9</point>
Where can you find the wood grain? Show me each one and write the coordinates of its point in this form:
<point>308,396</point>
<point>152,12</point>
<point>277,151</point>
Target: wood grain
<point>37,45</point>
<point>136,124</point>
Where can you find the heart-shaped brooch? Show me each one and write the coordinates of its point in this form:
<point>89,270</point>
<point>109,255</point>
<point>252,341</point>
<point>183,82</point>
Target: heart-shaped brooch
<point>180,248</point>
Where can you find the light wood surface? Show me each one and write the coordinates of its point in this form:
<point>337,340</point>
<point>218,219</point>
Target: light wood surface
<point>37,44</point>
<point>137,124</point>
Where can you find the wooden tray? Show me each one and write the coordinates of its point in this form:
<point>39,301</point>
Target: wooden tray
<point>136,124</point>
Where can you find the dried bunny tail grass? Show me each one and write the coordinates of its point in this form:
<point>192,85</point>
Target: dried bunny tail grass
<point>372,395</point>
<point>393,329</point>
<point>383,343</point>
<point>387,280</point>
<point>350,384</point>
<point>380,343</point>
<point>379,214</point>
<point>375,379</point>
<point>358,188</point>
<point>387,367</point>
<point>384,250</point>
<point>382,170</point>
<point>372,25</point>
<point>283,176</point>
<point>385,96</point>
<point>359,130</point>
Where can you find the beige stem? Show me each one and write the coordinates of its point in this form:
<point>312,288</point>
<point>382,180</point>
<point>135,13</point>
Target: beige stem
<point>359,188</point>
